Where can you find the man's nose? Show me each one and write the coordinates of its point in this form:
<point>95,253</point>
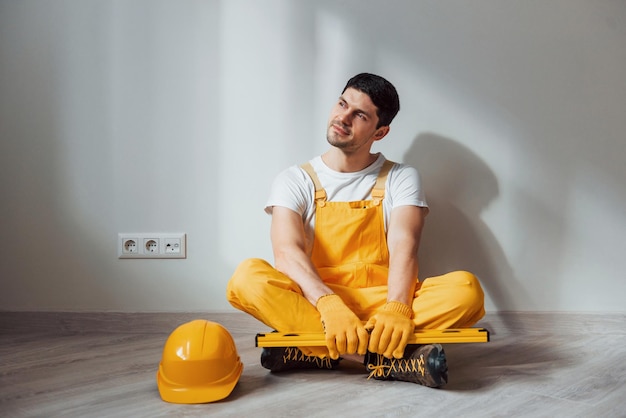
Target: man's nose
<point>344,117</point>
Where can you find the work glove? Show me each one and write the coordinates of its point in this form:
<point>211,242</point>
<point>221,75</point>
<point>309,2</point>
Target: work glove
<point>391,328</point>
<point>344,331</point>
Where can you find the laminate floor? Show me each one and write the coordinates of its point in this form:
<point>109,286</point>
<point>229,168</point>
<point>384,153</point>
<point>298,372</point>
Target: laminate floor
<point>536,365</point>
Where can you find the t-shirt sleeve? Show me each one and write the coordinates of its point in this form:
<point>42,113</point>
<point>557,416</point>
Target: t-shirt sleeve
<point>292,189</point>
<point>406,187</point>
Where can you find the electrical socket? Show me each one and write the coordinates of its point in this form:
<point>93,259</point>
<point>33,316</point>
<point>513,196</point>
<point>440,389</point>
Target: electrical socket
<point>129,246</point>
<point>152,245</point>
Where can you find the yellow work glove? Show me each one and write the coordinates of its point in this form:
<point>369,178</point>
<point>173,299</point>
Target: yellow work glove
<point>390,329</point>
<point>344,331</point>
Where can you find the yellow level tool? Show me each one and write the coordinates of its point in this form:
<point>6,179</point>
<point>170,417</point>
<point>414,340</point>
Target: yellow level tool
<point>422,336</point>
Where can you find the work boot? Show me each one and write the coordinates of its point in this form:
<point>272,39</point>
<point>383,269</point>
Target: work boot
<point>422,364</point>
<point>278,359</point>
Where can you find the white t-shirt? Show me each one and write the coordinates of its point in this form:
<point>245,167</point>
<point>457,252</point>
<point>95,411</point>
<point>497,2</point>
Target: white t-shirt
<point>294,189</point>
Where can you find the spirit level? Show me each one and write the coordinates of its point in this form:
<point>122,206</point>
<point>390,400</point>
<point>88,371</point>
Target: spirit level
<point>423,336</point>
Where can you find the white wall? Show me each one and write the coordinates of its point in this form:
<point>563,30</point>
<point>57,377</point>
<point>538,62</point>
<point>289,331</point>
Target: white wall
<point>143,115</point>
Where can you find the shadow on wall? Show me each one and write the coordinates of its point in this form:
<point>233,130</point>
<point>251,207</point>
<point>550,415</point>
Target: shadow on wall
<point>459,186</point>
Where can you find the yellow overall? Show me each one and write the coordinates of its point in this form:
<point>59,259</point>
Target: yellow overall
<point>351,256</point>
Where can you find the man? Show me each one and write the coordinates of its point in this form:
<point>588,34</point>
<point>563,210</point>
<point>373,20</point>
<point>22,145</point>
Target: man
<point>345,233</point>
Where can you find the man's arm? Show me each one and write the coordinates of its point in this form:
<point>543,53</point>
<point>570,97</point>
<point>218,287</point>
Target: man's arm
<point>290,258</point>
<point>403,237</point>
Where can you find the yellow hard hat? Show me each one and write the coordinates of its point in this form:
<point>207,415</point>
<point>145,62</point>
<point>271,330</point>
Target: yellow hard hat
<point>200,364</point>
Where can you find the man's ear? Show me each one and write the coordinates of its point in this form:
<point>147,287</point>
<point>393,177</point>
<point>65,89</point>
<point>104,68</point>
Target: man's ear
<point>381,133</point>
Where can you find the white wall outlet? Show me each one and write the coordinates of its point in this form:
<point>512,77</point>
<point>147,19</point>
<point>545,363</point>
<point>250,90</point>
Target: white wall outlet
<point>129,246</point>
<point>152,245</point>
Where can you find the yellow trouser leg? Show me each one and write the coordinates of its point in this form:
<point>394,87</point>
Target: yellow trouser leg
<point>453,300</point>
<point>274,299</point>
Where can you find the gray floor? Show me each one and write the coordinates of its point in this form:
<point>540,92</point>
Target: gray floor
<point>536,365</point>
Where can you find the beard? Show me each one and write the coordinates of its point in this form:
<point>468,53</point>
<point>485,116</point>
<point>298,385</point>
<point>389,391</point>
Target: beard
<point>336,142</point>
<point>335,139</point>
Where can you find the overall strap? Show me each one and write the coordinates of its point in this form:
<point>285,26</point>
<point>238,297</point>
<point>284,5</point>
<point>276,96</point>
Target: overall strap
<point>378,192</point>
<point>320,193</point>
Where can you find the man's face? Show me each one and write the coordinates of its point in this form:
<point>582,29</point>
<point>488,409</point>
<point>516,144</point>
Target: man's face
<point>352,122</point>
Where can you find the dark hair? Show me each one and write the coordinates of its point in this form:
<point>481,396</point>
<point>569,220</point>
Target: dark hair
<point>382,93</point>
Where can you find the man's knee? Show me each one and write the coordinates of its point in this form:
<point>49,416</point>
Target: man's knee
<point>470,296</point>
<point>255,277</point>
<point>472,290</point>
<point>461,285</point>
<point>458,293</point>
<point>244,277</point>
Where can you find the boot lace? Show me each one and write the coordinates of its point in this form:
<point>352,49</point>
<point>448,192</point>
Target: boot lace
<point>295,354</point>
<point>410,365</point>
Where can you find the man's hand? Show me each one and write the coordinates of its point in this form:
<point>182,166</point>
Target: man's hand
<point>344,331</point>
<point>391,329</point>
